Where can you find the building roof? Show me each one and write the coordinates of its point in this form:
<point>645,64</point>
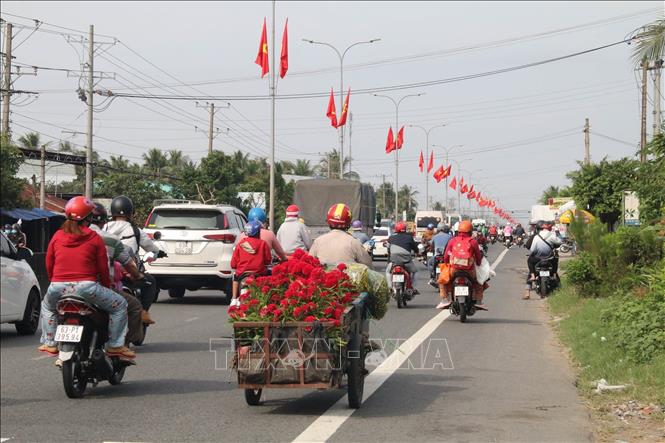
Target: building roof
<point>53,203</point>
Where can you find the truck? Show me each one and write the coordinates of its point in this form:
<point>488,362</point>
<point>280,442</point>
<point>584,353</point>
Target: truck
<point>316,196</point>
<point>542,212</point>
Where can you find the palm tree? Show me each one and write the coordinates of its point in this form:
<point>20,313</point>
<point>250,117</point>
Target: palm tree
<point>302,167</point>
<point>329,164</point>
<point>177,160</point>
<point>119,162</point>
<point>407,199</point>
<point>30,140</point>
<point>155,161</point>
<point>650,44</point>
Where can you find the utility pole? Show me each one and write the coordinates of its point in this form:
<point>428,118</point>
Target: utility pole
<point>271,210</point>
<point>384,193</point>
<point>587,154</point>
<point>42,181</point>
<point>643,132</point>
<point>91,85</point>
<point>657,119</point>
<point>350,134</point>
<point>7,79</point>
<point>212,132</point>
<point>212,118</point>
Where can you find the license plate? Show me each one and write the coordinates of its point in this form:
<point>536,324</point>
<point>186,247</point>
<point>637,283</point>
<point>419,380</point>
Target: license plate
<point>461,291</point>
<point>544,273</point>
<point>398,278</point>
<point>68,333</point>
<point>183,248</point>
<point>430,254</point>
<point>438,270</point>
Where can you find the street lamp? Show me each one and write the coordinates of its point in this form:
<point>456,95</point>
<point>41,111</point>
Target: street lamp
<point>471,177</point>
<point>397,103</point>
<point>427,131</point>
<point>341,56</point>
<point>447,150</point>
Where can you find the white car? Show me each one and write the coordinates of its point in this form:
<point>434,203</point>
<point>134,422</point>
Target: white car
<point>20,299</point>
<point>380,236</point>
<point>199,240</point>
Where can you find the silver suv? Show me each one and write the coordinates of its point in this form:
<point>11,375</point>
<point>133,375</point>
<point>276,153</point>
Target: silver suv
<point>199,240</point>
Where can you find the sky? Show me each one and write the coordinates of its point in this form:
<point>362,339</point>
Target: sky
<point>513,133</point>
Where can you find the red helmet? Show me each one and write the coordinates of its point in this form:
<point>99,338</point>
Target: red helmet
<point>79,208</point>
<point>292,211</point>
<point>339,216</point>
<point>400,227</point>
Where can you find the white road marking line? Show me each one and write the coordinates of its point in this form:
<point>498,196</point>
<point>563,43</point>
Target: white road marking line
<point>192,319</point>
<point>330,421</point>
<point>2,439</point>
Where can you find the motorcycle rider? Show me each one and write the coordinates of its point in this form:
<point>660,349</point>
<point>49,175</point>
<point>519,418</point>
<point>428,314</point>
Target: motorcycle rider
<point>400,246</point>
<point>493,231</point>
<point>439,243</point>
<point>541,247</point>
<point>75,260</point>
<point>292,234</point>
<point>477,234</point>
<point>464,241</point>
<point>250,256</point>
<point>357,233</point>
<point>258,214</point>
<point>122,225</point>
<point>519,231</point>
<point>428,233</point>
<point>508,233</point>
<point>338,245</point>
<point>117,251</point>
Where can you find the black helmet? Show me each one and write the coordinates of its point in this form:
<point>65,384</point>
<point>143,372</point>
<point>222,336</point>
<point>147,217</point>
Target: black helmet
<point>539,225</point>
<point>122,206</point>
<point>99,214</point>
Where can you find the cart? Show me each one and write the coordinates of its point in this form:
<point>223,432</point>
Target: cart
<point>297,355</point>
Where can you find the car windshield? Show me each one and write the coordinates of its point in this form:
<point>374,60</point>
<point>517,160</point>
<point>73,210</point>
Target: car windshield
<point>424,221</point>
<point>186,219</point>
<point>381,233</point>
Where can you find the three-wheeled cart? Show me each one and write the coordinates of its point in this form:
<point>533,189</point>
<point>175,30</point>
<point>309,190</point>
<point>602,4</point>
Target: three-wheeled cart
<point>300,355</point>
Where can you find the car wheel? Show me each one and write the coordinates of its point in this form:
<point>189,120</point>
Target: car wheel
<point>176,292</point>
<point>30,322</point>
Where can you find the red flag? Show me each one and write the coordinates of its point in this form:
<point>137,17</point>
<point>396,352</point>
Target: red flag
<point>331,113</point>
<point>390,142</point>
<point>478,197</point>
<point>446,172</point>
<point>284,57</point>
<point>430,165</point>
<point>345,110</point>
<point>461,182</point>
<point>438,174</point>
<point>463,188</point>
<point>421,162</point>
<point>471,195</point>
<point>262,57</point>
<point>453,184</point>
<point>400,138</point>
<point>471,190</point>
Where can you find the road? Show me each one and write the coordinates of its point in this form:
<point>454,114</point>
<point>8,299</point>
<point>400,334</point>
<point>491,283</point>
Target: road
<point>499,377</point>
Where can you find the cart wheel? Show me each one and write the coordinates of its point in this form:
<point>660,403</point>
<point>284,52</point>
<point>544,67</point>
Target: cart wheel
<point>355,371</point>
<point>253,396</point>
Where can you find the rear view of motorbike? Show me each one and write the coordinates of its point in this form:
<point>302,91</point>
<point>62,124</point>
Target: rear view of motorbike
<point>463,304</point>
<point>545,281</point>
<point>399,278</point>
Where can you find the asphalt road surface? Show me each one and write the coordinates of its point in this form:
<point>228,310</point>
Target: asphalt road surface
<point>499,377</point>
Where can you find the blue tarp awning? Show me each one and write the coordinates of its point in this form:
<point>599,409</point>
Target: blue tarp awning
<point>28,214</point>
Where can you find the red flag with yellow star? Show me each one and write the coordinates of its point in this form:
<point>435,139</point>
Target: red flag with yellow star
<point>331,113</point>
<point>345,110</point>
<point>262,57</point>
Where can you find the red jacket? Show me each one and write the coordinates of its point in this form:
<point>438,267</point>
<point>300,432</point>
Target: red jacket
<point>251,255</point>
<point>72,257</point>
<point>474,246</point>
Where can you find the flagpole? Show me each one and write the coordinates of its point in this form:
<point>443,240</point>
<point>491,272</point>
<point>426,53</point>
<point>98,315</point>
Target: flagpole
<point>427,131</point>
<point>271,212</point>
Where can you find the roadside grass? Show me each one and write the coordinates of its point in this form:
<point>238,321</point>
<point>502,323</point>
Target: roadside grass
<point>581,329</point>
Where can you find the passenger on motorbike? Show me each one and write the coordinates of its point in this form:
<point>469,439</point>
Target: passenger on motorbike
<point>463,241</point>
<point>292,234</point>
<point>251,256</point>
<point>122,225</point>
<point>541,247</point>
<point>77,264</point>
<point>428,233</point>
<point>400,246</point>
<point>508,232</point>
<point>439,243</point>
<point>481,239</point>
<point>519,231</point>
<point>258,214</point>
<point>338,245</point>
<point>117,251</point>
<point>357,233</point>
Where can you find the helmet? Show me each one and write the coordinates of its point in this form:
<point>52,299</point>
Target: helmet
<point>430,226</point>
<point>78,208</point>
<point>257,214</point>
<point>440,227</point>
<point>99,214</point>
<point>357,225</point>
<point>339,216</point>
<point>253,228</point>
<point>292,211</point>
<point>122,206</point>
<point>446,229</point>
<point>465,226</point>
<point>400,227</point>
<point>539,225</point>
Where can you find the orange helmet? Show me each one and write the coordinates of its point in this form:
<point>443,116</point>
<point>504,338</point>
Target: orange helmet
<point>339,216</point>
<point>79,208</point>
<point>465,226</point>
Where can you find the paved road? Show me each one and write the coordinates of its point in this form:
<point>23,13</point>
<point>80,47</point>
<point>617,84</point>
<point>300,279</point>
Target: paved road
<point>509,382</point>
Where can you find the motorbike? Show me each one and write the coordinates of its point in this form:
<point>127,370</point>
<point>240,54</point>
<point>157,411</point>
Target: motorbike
<point>369,247</point>
<point>519,240</point>
<point>501,237</point>
<point>492,238</point>
<point>567,245</point>
<point>400,285</point>
<point>508,241</point>
<point>463,303</point>
<point>545,281</point>
<point>135,287</point>
<point>81,332</point>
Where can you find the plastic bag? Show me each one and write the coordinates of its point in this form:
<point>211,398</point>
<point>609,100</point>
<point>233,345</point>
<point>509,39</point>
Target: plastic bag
<point>446,274</point>
<point>483,271</point>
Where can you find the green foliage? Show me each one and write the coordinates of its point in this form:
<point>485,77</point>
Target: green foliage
<point>650,186</point>
<point>142,192</point>
<point>11,186</point>
<point>599,187</point>
<point>554,191</point>
<point>581,272</point>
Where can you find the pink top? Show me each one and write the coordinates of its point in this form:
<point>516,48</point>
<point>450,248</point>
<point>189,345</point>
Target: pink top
<point>269,237</point>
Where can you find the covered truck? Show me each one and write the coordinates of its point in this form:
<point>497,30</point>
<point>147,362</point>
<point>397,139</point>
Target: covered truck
<point>316,196</point>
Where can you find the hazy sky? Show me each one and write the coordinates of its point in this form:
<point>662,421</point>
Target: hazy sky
<point>527,122</point>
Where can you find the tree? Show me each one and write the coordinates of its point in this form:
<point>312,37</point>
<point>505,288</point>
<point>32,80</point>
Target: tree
<point>300,167</point>
<point>30,140</point>
<point>407,200</point>
<point>650,44</point>
<point>651,181</point>
<point>154,162</point>
<point>552,192</point>
<point>599,187</point>
<point>385,198</point>
<point>11,160</point>
<point>438,206</point>
<point>329,164</point>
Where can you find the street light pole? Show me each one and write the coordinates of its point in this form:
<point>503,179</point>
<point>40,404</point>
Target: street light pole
<point>427,131</point>
<point>397,103</point>
<point>341,56</point>
<point>447,150</point>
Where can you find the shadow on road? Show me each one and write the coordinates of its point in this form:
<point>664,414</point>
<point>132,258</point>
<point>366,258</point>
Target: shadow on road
<point>165,386</point>
<point>164,347</point>
<point>218,300</point>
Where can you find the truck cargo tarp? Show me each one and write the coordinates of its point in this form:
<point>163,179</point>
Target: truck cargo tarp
<point>315,197</point>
